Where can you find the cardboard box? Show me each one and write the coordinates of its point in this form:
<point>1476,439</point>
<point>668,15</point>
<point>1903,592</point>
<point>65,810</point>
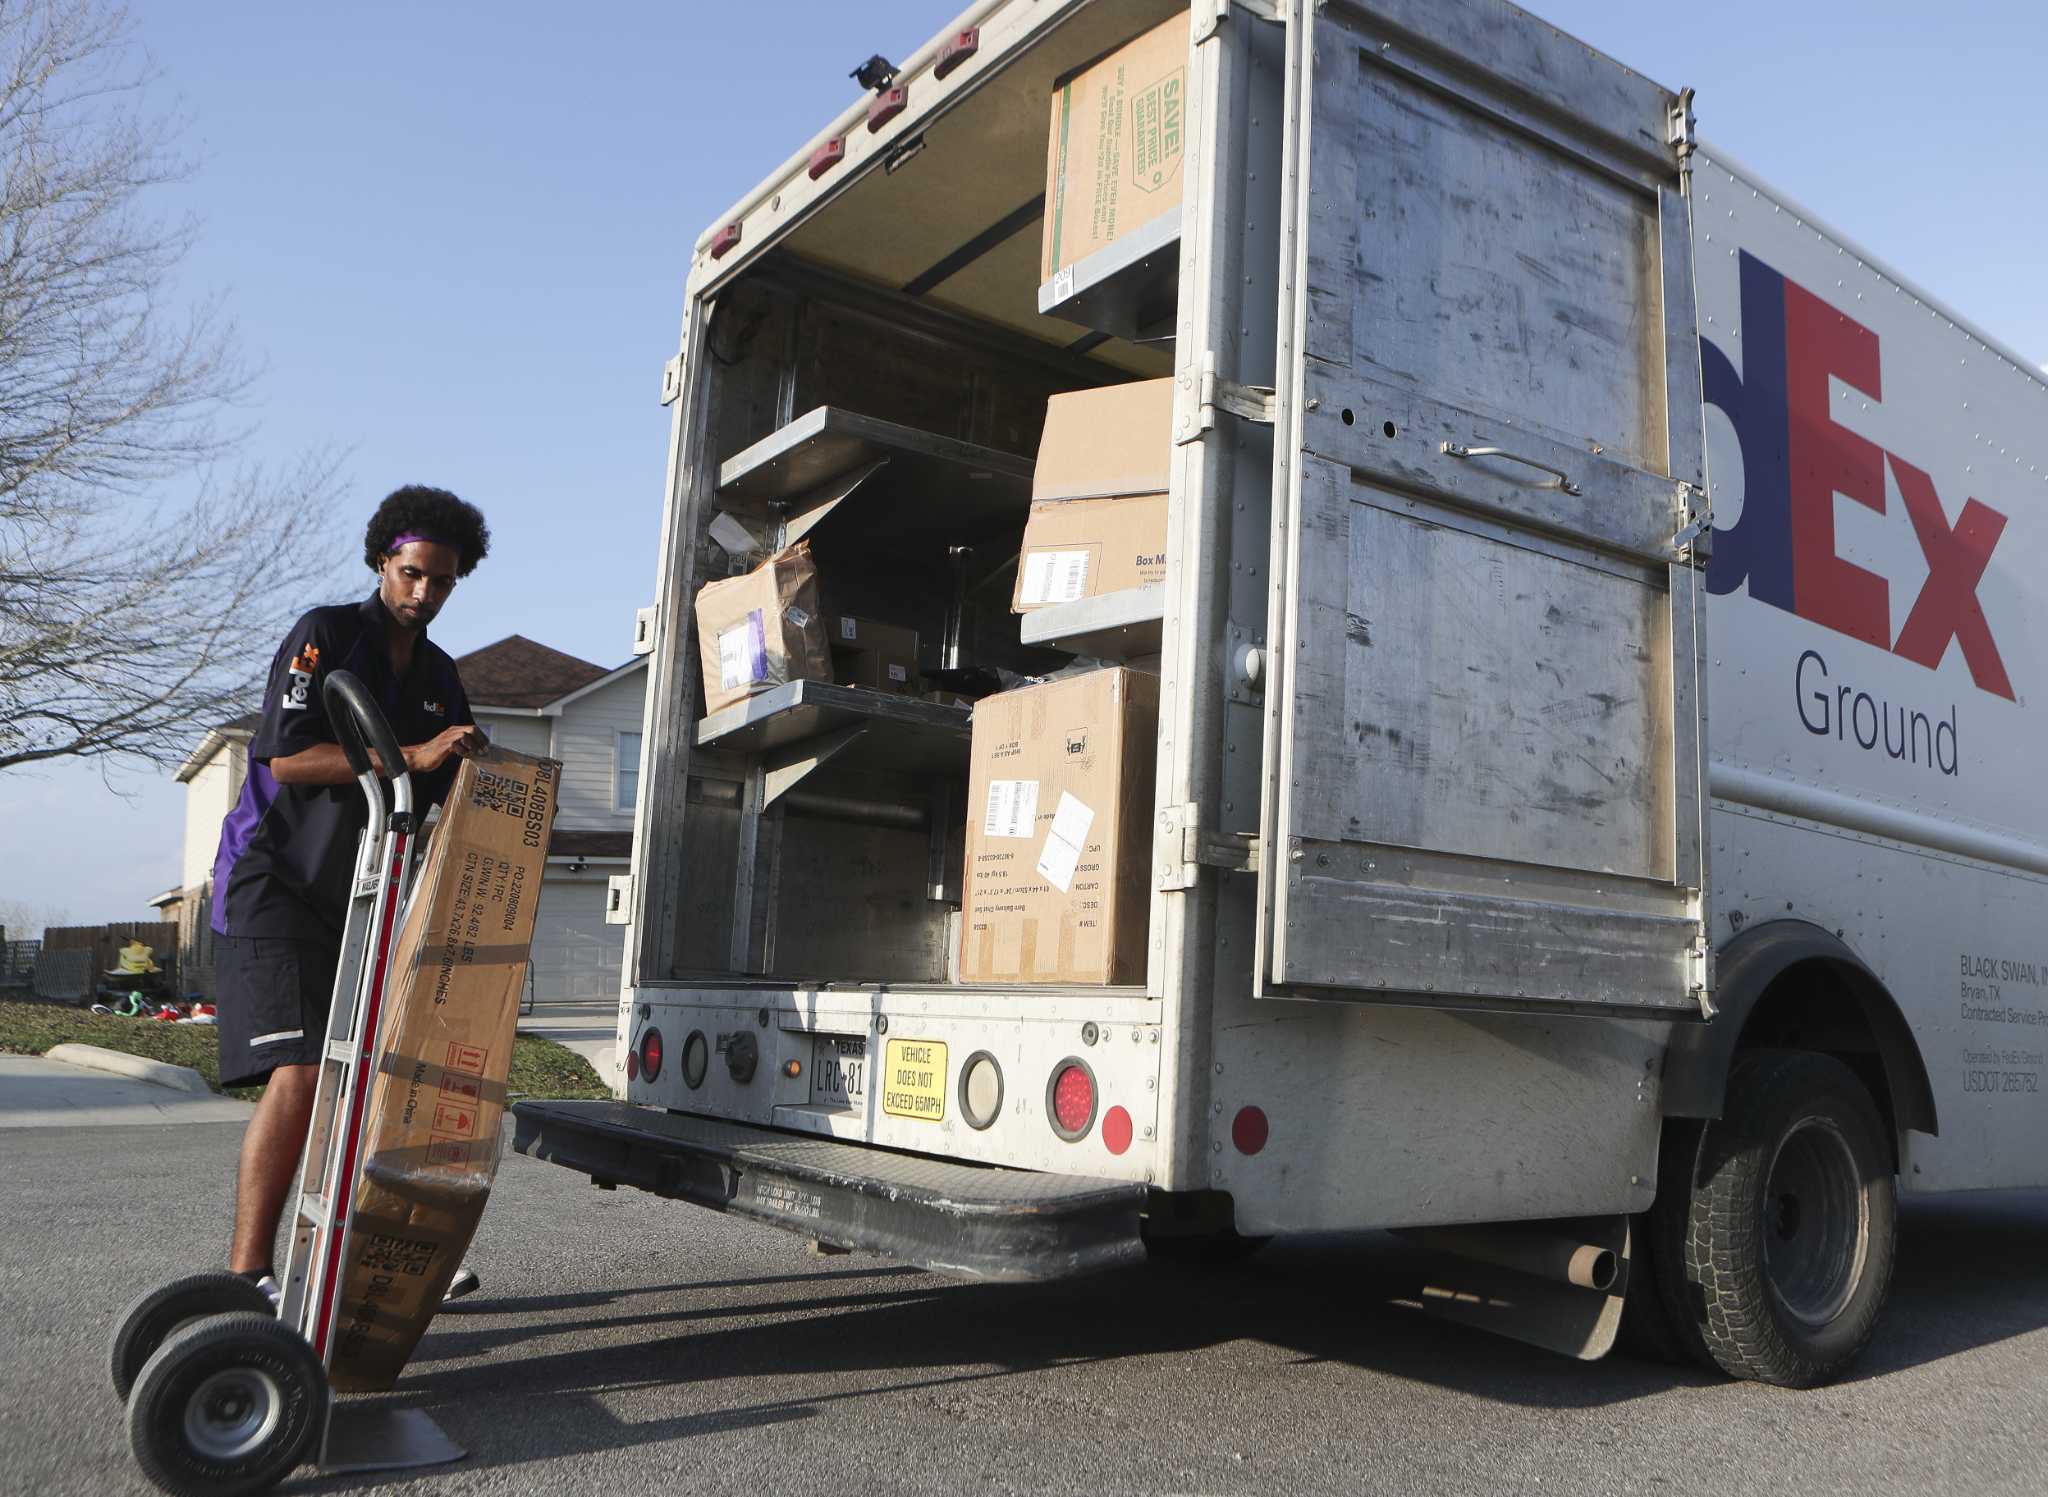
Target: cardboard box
<point>1098,495</point>
<point>451,1005</point>
<point>1078,548</point>
<point>1107,442</point>
<point>1059,831</point>
<point>881,657</point>
<point>762,629</point>
<point>1118,138</point>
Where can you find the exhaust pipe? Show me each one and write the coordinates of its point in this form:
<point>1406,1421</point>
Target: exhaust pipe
<point>1530,1250</point>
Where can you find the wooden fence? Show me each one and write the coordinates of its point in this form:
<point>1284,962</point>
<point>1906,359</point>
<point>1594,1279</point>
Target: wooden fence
<point>105,943</point>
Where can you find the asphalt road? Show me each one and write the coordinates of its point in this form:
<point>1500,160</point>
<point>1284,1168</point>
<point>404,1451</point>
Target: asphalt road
<point>626,1345</point>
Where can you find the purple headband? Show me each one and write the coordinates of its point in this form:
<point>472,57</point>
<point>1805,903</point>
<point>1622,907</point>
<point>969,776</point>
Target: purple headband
<point>409,537</point>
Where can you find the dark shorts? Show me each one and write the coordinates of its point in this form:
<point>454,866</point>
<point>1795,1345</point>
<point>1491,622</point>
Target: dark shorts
<point>273,994</point>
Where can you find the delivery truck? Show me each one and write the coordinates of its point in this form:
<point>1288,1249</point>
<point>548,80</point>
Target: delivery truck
<point>1451,661</point>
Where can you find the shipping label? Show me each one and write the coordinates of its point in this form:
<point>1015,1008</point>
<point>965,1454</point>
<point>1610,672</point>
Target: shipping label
<point>1012,808</point>
<point>743,652</point>
<point>1055,576</point>
<point>1064,842</point>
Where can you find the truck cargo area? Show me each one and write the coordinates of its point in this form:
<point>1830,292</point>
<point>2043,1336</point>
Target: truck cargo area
<point>875,386</point>
<point>967,1219</point>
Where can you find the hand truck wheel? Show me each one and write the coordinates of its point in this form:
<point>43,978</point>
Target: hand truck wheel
<point>227,1405</point>
<point>148,1322</point>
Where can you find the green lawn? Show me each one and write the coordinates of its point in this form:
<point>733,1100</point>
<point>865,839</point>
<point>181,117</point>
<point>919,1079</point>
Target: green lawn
<point>540,1068</point>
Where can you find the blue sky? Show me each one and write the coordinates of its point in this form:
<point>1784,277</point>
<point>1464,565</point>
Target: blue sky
<point>455,237</point>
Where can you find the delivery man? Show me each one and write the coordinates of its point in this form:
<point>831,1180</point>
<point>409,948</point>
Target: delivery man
<point>287,850</point>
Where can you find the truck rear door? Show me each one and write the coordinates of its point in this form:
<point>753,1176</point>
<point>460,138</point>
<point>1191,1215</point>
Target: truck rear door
<point>1485,717</point>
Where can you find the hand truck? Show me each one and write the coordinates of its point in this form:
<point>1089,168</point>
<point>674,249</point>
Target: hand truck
<point>226,1394</point>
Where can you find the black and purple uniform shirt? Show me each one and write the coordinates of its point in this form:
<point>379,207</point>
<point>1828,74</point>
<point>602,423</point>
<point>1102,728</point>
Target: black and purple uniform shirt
<point>287,851</point>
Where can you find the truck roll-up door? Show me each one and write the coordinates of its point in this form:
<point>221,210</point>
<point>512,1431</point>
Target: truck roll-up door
<point>1485,721</point>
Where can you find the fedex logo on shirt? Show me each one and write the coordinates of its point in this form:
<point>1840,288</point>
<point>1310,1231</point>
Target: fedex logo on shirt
<point>1796,459</point>
<point>298,679</point>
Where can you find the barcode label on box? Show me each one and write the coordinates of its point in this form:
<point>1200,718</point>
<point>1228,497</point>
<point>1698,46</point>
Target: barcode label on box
<point>899,673</point>
<point>1012,808</point>
<point>848,628</point>
<point>1063,843</point>
<point>1055,576</point>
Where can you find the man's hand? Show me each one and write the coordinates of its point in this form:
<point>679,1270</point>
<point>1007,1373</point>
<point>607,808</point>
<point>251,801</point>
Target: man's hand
<point>452,743</point>
<point>326,764</point>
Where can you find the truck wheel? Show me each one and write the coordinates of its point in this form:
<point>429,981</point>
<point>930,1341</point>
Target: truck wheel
<point>227,1405</point>
<point>149,1322</point>
<point>1790,1225</point>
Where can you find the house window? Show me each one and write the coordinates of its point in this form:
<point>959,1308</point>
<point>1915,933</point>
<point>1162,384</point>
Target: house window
<point>626,772</point>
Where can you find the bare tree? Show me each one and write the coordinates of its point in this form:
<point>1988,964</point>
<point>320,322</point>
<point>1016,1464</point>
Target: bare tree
<point>140,592</point>
<point>24,920</point>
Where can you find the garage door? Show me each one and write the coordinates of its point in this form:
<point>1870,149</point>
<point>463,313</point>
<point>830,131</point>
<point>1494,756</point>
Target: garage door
<point>576,956</point>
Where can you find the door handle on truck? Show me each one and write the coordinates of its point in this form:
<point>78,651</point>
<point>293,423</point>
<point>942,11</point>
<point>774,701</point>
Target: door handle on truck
<point>1454,449</point>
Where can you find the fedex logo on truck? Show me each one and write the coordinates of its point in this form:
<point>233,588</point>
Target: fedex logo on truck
<point>1795,459</point>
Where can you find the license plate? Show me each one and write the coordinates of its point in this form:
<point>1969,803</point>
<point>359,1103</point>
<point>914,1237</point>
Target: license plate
<point>839,1070</point>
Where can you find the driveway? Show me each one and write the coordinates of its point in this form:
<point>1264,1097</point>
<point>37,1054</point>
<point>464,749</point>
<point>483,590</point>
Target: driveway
<point>625,1344</point>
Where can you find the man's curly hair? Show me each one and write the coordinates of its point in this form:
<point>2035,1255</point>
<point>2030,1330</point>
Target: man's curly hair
<point>434,513</point>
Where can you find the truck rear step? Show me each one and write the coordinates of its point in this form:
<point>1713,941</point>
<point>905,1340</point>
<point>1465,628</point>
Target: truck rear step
<point>968,1219</point>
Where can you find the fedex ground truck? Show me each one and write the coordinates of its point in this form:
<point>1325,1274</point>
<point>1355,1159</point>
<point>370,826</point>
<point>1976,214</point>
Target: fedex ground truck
<point>1596,824</point>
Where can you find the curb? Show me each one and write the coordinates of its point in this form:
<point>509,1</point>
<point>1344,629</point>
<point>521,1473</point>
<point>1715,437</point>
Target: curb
<point>161,1072</point>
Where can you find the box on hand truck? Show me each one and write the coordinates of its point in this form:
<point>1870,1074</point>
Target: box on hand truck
<point>226,1394</point>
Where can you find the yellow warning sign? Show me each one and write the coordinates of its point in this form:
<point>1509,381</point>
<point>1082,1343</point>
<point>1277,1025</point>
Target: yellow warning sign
<point>914,1080</point>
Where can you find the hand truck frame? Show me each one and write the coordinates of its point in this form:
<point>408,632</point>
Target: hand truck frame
<point>226,1394</point>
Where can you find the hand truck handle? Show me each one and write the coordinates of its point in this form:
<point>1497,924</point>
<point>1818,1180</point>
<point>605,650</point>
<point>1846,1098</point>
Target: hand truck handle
<point>361,726</point>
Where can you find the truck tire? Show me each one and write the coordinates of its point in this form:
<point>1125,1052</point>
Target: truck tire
<point>1789,1227</point>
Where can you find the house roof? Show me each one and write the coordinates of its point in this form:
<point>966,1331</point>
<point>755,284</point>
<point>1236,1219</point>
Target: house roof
<point>234,730</point>
<point>518,672</point>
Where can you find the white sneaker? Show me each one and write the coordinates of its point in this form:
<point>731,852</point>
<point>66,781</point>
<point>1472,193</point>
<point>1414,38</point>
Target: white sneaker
<point>464,1282</point>
<point>273,1290</point>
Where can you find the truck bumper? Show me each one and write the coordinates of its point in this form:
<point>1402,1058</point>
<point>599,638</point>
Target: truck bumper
<point>974,1220</point>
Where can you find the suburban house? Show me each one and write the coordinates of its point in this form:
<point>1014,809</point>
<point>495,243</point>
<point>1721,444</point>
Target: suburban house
<point>526,697</point>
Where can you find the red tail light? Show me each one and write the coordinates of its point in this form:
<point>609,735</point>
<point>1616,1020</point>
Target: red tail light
<point>726,238</point>
<point>650,1054</point>
<point>1070,1100</point>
